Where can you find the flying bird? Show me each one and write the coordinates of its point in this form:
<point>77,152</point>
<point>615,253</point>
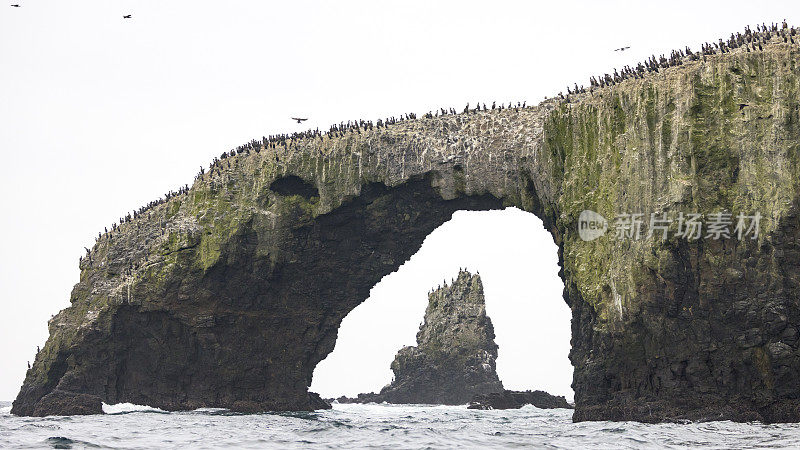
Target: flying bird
<point>15,5</point>
<point>621,49</point>
<point>127,16</point>
<point>299,120</point>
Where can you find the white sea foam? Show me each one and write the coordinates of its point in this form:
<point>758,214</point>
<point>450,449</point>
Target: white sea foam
<point>209,410</point>
<point>120,408</point>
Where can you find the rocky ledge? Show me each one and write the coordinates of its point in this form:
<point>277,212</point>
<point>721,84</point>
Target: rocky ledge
<point>518,399</point>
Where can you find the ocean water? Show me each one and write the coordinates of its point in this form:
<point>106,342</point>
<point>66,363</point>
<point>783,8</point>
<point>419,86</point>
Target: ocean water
<point>373,426</point>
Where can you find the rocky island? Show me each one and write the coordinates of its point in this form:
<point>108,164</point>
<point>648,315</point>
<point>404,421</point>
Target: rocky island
<point>228,292</point>
<point>455,355</point>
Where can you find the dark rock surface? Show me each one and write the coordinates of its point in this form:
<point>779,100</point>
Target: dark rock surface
<point>68,404</point>
<point>518,399</point>
<point>229,294</point>
<point>455,355</point>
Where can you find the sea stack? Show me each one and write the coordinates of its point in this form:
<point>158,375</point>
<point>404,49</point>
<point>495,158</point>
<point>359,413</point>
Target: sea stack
<point>454,359</point>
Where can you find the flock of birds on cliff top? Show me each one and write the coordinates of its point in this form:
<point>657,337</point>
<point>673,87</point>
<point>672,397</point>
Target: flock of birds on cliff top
<point>751,40</point>
<point>452,280</point>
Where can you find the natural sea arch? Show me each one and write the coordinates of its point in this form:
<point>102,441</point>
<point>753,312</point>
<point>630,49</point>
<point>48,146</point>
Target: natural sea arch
<point>230,294</point>
<point>518,264</point>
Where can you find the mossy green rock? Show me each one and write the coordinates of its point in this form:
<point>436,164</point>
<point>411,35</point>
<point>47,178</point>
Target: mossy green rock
<point>229,295</point>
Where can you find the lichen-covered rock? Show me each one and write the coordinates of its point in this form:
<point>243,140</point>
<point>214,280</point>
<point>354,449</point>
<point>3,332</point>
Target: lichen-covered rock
<point>518,399</point>
<point>228,295</point>
<point>455,355</point>
<point>686,329</point>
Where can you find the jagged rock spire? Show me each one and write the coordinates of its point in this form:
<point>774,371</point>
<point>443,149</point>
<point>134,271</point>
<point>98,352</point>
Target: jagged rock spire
<point>455,354</point>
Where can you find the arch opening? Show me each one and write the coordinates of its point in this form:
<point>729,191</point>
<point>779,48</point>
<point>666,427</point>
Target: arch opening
<point>518,263</point>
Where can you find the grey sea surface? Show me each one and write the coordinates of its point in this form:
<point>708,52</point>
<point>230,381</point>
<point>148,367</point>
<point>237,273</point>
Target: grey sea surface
<point>128,426</point>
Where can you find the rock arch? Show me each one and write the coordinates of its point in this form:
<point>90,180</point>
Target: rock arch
<point>228,295</point>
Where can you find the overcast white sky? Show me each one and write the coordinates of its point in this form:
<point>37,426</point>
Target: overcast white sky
<point>99,115</point>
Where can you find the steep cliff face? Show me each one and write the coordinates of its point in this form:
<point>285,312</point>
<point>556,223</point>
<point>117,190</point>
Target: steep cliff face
<point>454,359</point>
<point>684,328</point>
<point>230,294</point>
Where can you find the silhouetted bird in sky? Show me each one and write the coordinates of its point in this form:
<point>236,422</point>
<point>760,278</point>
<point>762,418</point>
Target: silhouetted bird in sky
<point>299,120</point>
<point>15,5</point>
<point>621,49</point>
<point>127,16</point>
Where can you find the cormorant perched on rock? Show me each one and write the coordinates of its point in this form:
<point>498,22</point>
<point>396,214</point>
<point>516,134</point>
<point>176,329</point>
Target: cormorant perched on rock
<point>29,365</point>
<point>299,120</point>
